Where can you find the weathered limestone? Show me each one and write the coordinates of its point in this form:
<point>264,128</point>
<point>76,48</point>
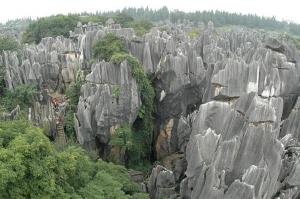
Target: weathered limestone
<point>109,98</point>
<point>52,64</point>
<point>161,183</point>
<point>227,100</point>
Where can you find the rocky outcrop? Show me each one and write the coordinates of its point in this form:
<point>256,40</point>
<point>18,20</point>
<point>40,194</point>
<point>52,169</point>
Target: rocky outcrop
<point>109,98</point>
<point>227,105</point>
<point>52,64</point>
<point>291,124</point>
<point>178,72</point>
<point>234,149</point>
<point>10,116</point>
<point>161,183</point>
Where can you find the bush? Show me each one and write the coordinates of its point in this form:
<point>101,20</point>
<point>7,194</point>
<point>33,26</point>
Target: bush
<point>73,94</point>
<point>141,26</point>
<point>107,47</point>
<point>193,33</point>
<point>8,43</point>
<point>93,18</point>
<point>22,95</point>
<point>49,27</point>
<point>123,19</point>
<point>123,139</point>
<point>116,92</point>
<point>31,167</point>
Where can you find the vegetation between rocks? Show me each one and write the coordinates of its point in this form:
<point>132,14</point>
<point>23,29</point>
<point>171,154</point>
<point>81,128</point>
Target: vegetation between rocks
<point>111,48</point>
<point>31,167</point>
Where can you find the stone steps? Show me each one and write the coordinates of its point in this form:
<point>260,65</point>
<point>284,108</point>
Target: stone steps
<point>60,134</point>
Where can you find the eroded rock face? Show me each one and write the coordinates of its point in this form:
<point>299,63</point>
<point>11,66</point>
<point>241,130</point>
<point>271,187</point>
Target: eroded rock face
<point>233,148</point>
<point>109,98</point>
<point>52,64</point>
<point>161,183</point>
<point>226,101</point>
<point>242,143</point>
<point>177,69</point>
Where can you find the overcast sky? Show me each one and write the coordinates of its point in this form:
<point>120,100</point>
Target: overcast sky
<point>281,9</point>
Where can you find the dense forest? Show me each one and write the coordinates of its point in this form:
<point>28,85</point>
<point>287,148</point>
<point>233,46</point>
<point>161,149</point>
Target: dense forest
<point>219,18</point>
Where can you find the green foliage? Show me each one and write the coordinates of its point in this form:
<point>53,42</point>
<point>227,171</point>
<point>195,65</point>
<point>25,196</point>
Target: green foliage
<point>116,91</point>
<point>118,58</point>
<point>102,187</point>
<point>73,93</point>
<point>193,33</point>
<point>124,19</point>
<point>140,196</point>
<point>296,41</point>
<point>93,18</point>
<point>22,95</point>
<point>31,167</point>
<point>14,128</point>
<point>49,27</point>
<point>219,18</point>
<point>107,46</point>
<point>123,140</point>
<point>119,173</point>
<point>141,26</point>
<point>8,43</point>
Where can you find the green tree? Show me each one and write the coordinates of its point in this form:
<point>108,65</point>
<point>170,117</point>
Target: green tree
<point>8,43</point>
<point>73,94</point>
<point>22,95</point>
<point>107,46</point>
<point>123,140</point>
<point>49,27</point>
<point>31,167</point>
<point>124,19</point>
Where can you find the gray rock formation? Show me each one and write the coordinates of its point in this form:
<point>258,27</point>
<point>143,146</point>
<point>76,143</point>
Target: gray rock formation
<point>227,105</point>
<point>52,64</point>
<point>232,143</point>
<point>234,148</point>
<point>161,183</point>
<point>110,98</point>
<point>10,116</point>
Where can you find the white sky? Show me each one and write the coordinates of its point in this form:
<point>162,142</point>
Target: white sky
<point>281,9</point>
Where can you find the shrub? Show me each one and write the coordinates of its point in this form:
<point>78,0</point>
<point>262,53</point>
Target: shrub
<point>116,91</point>
<point>141,26</point>
<point>31,167</point>
<point>8,43</point>
<point>193,33</point>
<point>124,19</point>
<point>49,27</point>
<point>123,139</point>
<point>93,18</point>
<point>22,95</point>
<point>73,94</point>
<point>107,46</point>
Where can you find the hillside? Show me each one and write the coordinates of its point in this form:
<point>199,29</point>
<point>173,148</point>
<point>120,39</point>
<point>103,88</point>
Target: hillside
<point>150,104</point>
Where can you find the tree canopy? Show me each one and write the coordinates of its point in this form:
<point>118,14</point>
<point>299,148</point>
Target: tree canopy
<point>49,27</point>
<point>31,167</point>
